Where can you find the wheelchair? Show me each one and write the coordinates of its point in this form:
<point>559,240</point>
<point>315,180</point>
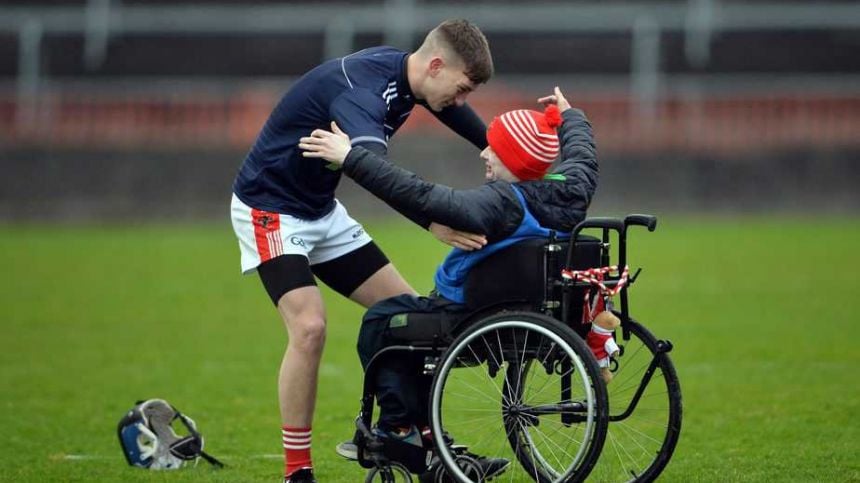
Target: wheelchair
<point>513,378</point>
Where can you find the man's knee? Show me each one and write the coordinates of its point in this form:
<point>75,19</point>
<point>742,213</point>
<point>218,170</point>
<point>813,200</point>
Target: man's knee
<point>307,333</point>
<point>304,315</point>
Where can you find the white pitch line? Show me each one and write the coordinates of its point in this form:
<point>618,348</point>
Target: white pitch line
<point>84,457</point>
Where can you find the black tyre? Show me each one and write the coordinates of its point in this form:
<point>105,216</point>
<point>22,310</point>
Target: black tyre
<point>644,410</point>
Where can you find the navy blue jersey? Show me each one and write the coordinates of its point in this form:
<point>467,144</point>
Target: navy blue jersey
<point>366,93</point>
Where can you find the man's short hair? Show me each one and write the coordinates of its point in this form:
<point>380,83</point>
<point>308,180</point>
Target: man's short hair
<point>466,40</point>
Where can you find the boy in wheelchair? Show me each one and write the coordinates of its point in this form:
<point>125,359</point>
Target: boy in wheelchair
<point>519,202</point>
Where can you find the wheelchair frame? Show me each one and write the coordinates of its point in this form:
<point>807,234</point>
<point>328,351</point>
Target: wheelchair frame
<point>371,450</point>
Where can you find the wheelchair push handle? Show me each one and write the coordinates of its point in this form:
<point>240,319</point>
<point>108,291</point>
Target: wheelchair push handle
<point>648,221</point>
<point>599,222</point>
<point>606,224</point>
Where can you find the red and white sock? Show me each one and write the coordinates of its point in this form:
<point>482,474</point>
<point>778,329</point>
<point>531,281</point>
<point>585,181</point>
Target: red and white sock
<point>297,449</point>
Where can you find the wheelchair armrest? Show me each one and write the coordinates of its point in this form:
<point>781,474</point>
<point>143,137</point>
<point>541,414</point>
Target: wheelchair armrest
<point>599,222</point>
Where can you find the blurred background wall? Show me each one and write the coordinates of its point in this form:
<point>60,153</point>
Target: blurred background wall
<point>144,109</point>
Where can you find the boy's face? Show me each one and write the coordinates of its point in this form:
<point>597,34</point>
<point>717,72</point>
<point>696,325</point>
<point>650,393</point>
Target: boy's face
<point>496,170</point>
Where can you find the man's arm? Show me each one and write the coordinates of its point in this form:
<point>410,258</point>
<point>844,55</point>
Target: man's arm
<point>464,121</point>
<point>491,209</point>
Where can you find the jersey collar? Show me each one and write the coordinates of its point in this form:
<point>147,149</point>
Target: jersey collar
<point>403,81</point>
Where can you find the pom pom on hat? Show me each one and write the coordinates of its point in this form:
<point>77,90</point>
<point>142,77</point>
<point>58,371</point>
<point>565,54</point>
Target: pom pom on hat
<point>526,141</point>
<point>552,116</point>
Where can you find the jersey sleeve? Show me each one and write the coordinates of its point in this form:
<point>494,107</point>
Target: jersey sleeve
<point>360,114</point>
<point>464,121</point>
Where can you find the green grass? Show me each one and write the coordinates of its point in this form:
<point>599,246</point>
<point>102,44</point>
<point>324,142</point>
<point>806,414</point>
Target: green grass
<point>93,318</point>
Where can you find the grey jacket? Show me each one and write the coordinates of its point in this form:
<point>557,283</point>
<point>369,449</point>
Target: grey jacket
<point>559,201</point>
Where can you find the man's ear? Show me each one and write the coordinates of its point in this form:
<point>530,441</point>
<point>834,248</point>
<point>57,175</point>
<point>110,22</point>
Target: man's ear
<point>435,67</point>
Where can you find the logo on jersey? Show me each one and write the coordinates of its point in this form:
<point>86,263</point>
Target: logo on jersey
<point>298,241</point>
<point>357,233</point>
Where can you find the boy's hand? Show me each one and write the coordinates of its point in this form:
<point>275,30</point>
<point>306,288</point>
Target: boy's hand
<point>557,98</point>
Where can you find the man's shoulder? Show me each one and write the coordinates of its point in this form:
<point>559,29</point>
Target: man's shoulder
<point>373,67</point>
<point>381,53</point>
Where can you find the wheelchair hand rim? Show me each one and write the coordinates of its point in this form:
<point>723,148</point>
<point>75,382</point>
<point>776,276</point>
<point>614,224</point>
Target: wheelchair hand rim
<point>436,428</point>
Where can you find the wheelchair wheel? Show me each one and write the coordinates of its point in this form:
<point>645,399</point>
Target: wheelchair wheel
<point>644,424</point>
<point>521,387</point>
<point>392,473</point>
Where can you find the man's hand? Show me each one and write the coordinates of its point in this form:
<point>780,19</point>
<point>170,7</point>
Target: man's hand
<point>458,239</point>
<point>332,146</point>
<point>557,98</point>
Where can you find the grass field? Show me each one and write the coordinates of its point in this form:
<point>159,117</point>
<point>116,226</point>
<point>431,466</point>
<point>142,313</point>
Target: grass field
<point>93,318</point>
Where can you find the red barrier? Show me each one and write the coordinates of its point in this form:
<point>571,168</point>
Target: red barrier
<point>205,121</point>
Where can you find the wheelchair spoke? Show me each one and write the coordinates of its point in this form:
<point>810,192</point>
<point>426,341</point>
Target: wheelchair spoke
<point>502,355</point>
<point>632,376</point>
<point>478,419</point>
<point>561,428</point>
<point>521,361</point>
<point>546,382</point>
<point>633,431</point>
<point>497,364</point>
<point>625,365</point>
<point>618,450</point>
<point>474,388</point>
<point>518,448</point>
<point>523,431</point>
<point>488,378</point>
<point>631,385</point>
<point>554,454</point>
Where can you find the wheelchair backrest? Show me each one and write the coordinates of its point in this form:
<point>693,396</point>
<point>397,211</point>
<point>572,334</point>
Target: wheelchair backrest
<point>519,272</point>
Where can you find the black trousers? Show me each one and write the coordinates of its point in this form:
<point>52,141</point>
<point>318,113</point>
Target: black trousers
<point>401,390</point>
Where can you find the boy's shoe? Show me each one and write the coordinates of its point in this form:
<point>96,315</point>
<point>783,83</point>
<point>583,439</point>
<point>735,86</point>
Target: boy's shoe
<point>489,467</point>
<point>304,475</point>
<point>349,450</point>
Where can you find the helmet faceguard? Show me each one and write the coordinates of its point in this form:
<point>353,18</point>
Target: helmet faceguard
<point>149,440</point>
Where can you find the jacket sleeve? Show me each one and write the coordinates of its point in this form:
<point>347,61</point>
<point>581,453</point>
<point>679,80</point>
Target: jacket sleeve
<point>491,209</point>
<point>578,153</point>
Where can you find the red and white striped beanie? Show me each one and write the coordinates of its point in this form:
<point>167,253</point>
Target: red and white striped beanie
<point>526,141</point>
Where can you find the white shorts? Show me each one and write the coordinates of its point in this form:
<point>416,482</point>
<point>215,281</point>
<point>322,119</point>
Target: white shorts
<point>264,235</point>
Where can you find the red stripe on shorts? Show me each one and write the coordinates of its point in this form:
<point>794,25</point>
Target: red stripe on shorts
<point>267,226</point>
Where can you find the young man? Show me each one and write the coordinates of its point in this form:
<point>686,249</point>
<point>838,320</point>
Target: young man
<point>517,202</point>
<point>289,225</point>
